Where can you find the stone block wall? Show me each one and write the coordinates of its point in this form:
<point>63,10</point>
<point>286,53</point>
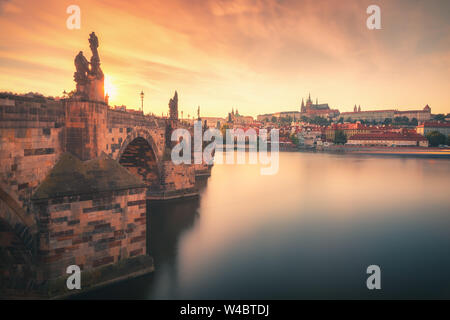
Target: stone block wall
<point>202,169</point>
<point>26,157</point>
<point>85,128</point>
<point>177,177</point>
<point>31,141</point>
<point>91,231</point>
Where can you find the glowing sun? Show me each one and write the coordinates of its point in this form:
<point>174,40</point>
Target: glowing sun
<point>110,88</point>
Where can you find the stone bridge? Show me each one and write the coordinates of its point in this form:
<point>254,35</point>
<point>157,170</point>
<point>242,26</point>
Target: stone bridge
<point>76,177</point>
<point>63,158</point>
<point>75,180</point>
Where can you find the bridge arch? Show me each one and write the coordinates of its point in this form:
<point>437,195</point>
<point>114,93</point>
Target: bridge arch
<point>18,245</point>
<point>23,224</point>
<point>139,154</point>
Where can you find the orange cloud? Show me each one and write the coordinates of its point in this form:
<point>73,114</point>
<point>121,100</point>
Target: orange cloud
<point>257,55</point>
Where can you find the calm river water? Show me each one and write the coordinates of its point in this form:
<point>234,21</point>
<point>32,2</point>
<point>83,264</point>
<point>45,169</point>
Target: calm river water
<point>310,231</point>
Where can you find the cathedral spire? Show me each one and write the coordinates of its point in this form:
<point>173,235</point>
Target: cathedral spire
<point>309,101</point>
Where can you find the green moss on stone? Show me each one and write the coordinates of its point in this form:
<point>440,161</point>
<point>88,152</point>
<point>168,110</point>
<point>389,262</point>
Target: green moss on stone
<point>71,176</point>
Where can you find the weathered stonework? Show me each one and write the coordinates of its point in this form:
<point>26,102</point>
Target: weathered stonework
<point>176,181</point>
<point>90,233</point>
<point>91,214</point>
<point>85,128</point>
<point>34,134</point>
<point>75,176</point>
<point>40,239</point>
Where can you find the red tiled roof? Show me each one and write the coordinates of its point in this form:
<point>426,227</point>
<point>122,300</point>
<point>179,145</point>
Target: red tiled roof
<point>388,136</point>
<point>348,126</point>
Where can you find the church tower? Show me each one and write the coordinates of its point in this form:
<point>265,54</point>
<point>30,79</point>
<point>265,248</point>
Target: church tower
<point>309,102</point>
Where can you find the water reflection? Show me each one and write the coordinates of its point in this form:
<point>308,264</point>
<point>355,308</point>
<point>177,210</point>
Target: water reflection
<point>310,231</point>
<point>166,227</point>
<point>167,222</point>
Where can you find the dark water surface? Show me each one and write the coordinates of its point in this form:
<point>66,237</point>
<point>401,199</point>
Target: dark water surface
<point>309,231</point>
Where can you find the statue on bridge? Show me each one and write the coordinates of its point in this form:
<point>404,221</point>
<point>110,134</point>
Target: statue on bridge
<point>173,107</point>
<point>89,76</point>
<point>95,59</point>
<point>82,66</point>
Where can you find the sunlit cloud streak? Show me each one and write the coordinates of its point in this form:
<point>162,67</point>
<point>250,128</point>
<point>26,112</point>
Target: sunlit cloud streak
<point>256,55</point>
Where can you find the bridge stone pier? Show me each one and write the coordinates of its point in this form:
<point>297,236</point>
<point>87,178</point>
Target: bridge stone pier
<point>75,179</point>
<point>139,143</point>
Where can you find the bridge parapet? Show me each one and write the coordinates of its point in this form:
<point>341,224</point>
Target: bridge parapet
<point>118,118</point>
<point>30,112</point>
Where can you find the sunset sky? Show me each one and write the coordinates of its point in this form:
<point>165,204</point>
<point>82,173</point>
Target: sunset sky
<point>259,56</point>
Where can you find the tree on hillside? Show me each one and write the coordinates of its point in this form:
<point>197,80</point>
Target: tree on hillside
<point>287,119</point>
<point>340,137</point>
<point>436,138</point>
<point>304,119</point>
<point>320,121</point>
<point>294,139</point>
<point>387,121</point>
<point>401,120</point>
<point>439,117</point>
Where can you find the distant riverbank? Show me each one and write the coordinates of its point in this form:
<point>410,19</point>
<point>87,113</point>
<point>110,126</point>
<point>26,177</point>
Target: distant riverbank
<point>390,151</point>
<point>419,152</point>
